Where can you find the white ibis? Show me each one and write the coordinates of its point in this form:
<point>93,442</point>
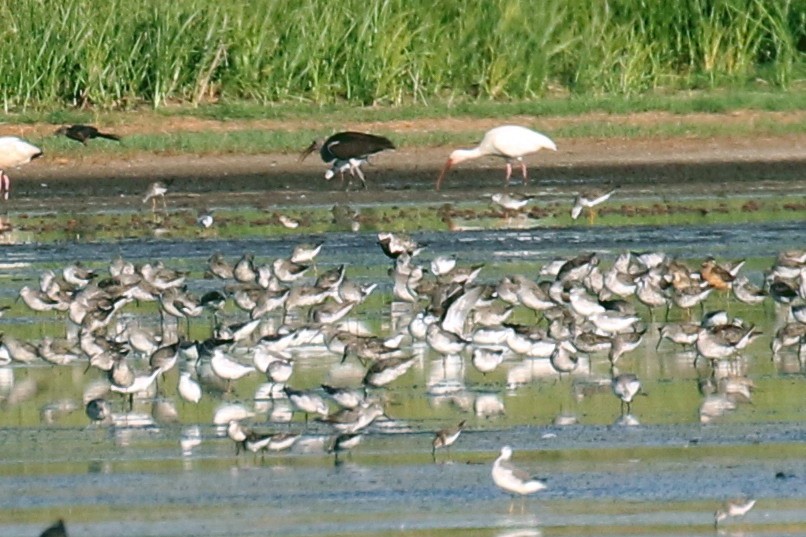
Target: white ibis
<point>14,152</point>
<point>347,151</point>
<point>510,142</point>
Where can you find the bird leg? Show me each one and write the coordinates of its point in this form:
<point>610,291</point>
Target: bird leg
<point>357,169</point>
<point>509,173</point>
<point>523,169</point>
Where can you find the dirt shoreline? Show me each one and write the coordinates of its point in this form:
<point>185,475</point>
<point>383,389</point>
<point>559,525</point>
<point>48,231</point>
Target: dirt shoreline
<point>676,164</point>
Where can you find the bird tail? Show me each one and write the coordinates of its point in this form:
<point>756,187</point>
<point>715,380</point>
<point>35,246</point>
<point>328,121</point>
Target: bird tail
<point>108,136</point>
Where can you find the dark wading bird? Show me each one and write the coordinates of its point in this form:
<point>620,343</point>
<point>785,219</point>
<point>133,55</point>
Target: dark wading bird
<point>82,133</point>
<point>347,151</point>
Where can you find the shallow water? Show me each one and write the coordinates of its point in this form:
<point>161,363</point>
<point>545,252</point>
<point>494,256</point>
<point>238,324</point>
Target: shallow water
<point>165,469</point>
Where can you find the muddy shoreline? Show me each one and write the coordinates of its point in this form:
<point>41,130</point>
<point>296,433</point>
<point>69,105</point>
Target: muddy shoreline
<point>727,163</point>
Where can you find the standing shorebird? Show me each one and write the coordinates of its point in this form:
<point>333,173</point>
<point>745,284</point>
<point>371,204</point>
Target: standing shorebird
<point>513,480</point>
<point>156,190</point>
<point>589,199</point>
<point>347,151</point>
<point>14,152</point>
<point>82,133</point>
<point>511,202</point>
<point>510,142</point>
<point>445,438</point>
<point>625,386</point>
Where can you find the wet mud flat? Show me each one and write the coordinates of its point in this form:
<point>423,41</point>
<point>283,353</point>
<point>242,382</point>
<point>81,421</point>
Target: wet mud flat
<point>661,472</point>
<point>679,165</point>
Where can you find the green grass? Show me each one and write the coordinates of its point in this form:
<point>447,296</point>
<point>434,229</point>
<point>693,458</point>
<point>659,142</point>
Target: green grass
<point>117,54</point>
<point>294,127</point>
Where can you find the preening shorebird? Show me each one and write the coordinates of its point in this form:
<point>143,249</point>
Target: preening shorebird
<point>510,142</point>
<point>347,151</point>
<point>512,480</point>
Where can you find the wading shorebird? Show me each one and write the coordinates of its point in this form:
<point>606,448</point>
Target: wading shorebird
<point>589,199</point>
<point>347,151</point>
<point>510,142</point>
<point>626,386</point>
<point>157,189</point>
<point>445,438</point>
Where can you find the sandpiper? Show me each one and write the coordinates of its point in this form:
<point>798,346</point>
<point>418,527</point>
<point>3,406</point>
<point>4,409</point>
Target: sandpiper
<point>307,402</point>
<point>237,433</point>
<point>486,360</point>
<point>717,276</point>
<point>511,202</point>
<point>156,190</point>
<point>626,386</point>
<point>354,420</point>
<point>383,372</point>
<point>226,368</point>
<point>344,397</point>
<point>189,389</point>
<point>445,438</point>
<point>141,383</point>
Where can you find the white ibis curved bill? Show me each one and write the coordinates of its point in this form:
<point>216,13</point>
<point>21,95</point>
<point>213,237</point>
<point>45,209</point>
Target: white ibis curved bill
<point>347,151</point>
<point>510,142</point>
<point>14,152</point>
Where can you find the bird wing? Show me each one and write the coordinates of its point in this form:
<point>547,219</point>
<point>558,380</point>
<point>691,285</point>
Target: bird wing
<point>456,314</point>
<point>347,145</point>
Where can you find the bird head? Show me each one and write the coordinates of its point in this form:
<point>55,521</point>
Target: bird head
<point>506,452</point>
<point>316,144</point>
<point>455,158</point>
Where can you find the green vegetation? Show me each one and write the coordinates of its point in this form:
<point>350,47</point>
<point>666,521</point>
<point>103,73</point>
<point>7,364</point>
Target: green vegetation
<point>118,54</point>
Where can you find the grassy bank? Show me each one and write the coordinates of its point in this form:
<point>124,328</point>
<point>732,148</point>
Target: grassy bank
<point>118,54</point>
<point>249,128</point>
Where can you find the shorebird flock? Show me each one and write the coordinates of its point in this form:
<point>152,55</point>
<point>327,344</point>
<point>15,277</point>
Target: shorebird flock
<point>266,319</point>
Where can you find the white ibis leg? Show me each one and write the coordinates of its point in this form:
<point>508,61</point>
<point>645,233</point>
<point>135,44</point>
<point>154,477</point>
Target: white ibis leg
<point>164,204</point>
<point>523,168</point>
<point>509,173</point>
